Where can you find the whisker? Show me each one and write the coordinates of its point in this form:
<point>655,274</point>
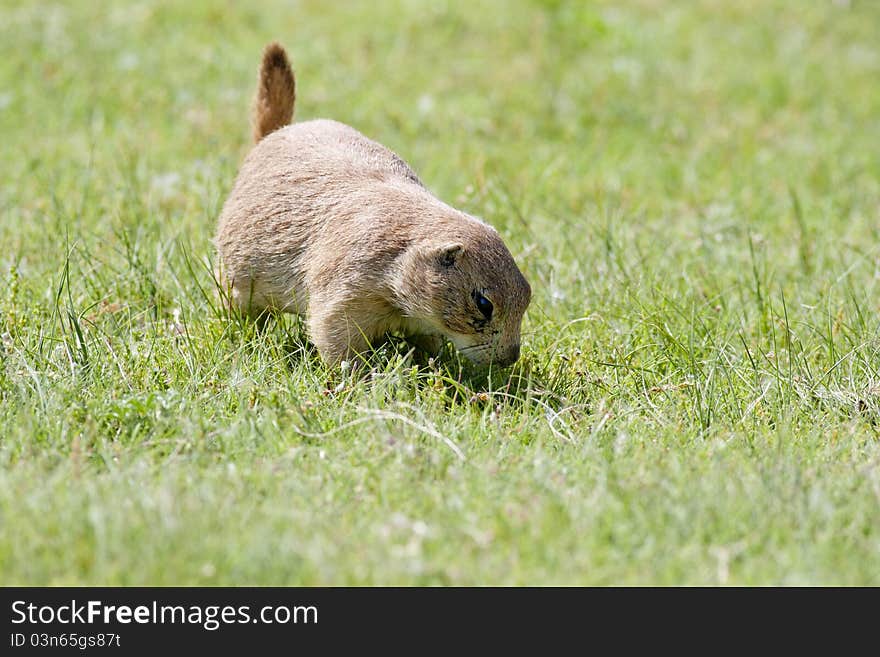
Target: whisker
<point>476,348</point>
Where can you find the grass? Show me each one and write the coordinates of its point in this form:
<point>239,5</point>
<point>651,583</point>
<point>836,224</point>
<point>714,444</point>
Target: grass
<point>692,189</point>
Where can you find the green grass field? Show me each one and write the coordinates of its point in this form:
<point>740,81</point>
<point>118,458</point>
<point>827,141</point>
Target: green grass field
<point>692,189</point>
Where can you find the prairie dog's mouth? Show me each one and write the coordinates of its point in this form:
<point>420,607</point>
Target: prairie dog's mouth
<point>489,353</point>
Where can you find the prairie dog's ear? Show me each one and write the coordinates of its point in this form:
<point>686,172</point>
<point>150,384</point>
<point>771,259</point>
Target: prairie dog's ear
<point>448,254</point>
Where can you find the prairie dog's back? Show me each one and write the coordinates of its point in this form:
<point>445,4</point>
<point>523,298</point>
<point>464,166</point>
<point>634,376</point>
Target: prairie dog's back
<point>327,147</point>
<point>298,185</point>
<point>305,174</point>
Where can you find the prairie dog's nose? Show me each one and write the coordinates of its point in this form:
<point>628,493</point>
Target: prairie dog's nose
<point>507,356</point>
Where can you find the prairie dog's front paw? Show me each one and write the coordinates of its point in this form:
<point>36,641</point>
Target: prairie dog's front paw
<point>430,344</point>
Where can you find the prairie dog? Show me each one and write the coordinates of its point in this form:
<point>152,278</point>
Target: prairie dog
<point>333,226</point>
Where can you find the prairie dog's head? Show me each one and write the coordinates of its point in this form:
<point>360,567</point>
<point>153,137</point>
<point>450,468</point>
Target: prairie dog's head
<point>465,285</point>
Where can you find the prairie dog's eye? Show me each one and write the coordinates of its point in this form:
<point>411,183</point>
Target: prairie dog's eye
<point>483,305</point>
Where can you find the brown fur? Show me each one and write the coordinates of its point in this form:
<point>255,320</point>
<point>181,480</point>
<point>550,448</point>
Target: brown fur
<point>276,92</point>
<point>326,223</point>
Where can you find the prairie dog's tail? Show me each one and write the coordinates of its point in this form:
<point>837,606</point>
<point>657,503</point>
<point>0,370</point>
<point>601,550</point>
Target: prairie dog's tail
<point>276,91</point>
